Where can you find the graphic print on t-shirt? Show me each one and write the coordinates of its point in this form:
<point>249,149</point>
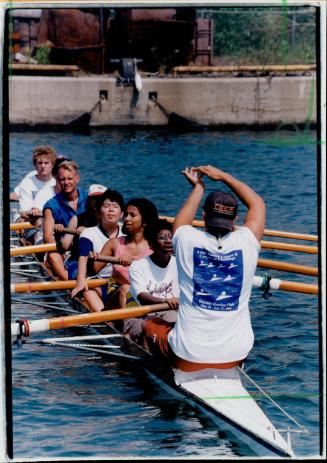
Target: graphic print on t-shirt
<point>217,279</point>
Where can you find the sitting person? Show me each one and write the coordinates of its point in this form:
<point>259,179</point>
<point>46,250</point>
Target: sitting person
<point>140,215</point>
<point>154,279</point>
<point>60,209</point>
<point>109,206</point>
<point>44,158</point>
<point>77,224</point>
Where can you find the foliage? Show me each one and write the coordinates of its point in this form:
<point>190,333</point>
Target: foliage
<point>42,54</point>
<point>264,35</point>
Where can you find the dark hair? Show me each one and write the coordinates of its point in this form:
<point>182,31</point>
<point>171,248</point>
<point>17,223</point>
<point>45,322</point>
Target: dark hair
<point>161,224</point>
<point>148,212</point>
<point>112,195</point>
<point>57,163</point>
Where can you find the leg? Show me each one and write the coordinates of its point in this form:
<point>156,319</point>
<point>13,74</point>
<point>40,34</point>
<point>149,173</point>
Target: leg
<point>56,263</point>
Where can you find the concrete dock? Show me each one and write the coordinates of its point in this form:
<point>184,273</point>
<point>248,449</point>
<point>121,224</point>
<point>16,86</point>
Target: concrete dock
<point>213,101</point>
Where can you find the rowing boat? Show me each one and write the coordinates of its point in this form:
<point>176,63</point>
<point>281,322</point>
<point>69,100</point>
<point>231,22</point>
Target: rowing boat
<point>219,393</point>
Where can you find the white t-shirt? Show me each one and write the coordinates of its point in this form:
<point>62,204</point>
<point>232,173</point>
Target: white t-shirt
<point>147,277</point>
<point>96,239</point>
<point>42,196</point>
<point>214,324</point>
<point>29,174</point>
<point>28,189</point>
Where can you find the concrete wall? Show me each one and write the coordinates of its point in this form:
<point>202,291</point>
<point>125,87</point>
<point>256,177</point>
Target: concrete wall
<point>212,101</point>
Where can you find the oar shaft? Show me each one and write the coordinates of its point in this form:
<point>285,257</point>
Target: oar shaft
<point>22,226</point>
<point>38,326</point>
<point>287,267</point>
<point>289,247</point>
<point>267,232</point>
<point>53,285</point>
<point>284,285</point>
<point>22,250</point>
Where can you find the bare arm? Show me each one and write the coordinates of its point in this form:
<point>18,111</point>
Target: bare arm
<point>48,224</point>
<point>256,215</point>
<point>187,213</point>
<point>107,250</point>
<point>67,239</point>
<point>147,298</point>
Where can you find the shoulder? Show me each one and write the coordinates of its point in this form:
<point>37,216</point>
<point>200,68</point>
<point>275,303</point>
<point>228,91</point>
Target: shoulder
<point>82,193</point>
<point>89,232</point>
<point>246,234</point>
<point>185,233</point>
<point>140,264</point>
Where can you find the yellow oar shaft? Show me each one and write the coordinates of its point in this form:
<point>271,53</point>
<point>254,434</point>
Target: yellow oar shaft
<point>53,285</point>
<point>287,267</point>
<point>267,232</point>
<point>22,226</point>
<point>22,250</point>
<point>284,285</point>
<point>38,326</point>
<point>289,247</point>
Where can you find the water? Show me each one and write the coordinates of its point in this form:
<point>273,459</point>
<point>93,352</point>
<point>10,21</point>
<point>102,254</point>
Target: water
<point>71,404</point>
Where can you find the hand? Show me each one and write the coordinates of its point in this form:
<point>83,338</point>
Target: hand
<point>173,302</point>
<point>79,230</point>
<point>193,177</point>
<point>94,255</point>
<point>210,172</point>
<point>58,227</point>
<point>125,260</point>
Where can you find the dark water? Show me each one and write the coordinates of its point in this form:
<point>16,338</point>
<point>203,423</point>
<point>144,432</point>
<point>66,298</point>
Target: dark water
<point>71,404</point>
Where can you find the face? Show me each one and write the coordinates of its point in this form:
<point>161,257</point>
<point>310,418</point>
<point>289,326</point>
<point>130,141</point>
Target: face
<point>43,165</point>
<point>110,212</point>
<point>132,220</point>
<point>68,180</point>
<point>164,243</point>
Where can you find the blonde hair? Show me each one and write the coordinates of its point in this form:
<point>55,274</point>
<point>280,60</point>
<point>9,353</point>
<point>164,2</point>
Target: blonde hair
<point>68,165</point>
<point>44,151</point>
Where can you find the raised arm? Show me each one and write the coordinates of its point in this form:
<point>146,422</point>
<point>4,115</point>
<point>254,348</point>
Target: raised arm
<point>187,212</point>
<point>256,215</point>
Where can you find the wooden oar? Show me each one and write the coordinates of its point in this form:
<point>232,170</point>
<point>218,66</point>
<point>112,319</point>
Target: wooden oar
<point>287,267</point>
<point>38,326</point>
<point>53,285</point>
<point>284,285</point>
<point>22,250</point>
<point>22,226</point>
<point>267,232</point>
<point>289,247</point>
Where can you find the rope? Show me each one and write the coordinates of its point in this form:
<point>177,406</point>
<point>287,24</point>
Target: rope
<point>273,401</point>
<point>265,286</point>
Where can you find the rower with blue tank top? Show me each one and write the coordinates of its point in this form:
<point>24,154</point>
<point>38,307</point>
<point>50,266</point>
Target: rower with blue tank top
<point>215,270</point>
<point>60,209</point>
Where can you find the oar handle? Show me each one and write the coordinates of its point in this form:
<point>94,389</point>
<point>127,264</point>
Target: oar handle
<point>109,259</point>
<point>287,267</point>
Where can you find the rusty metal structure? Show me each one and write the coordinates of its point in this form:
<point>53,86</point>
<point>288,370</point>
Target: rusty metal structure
<point>93,38</point>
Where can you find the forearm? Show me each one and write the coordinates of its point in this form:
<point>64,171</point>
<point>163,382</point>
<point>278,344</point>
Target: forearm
<point>244,192</point>
<point>186,214</point>
<point>147,298</point>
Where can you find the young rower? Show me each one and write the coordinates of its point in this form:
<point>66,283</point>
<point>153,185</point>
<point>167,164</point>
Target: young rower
<point>215,269</point>
<point>44,158</point>
<point>109,207</point>
<point>140,215</point>
<point>60,209</point>
<point>154,279</point>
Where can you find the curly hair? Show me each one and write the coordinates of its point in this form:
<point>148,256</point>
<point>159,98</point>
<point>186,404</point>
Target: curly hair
<point>45,151</point>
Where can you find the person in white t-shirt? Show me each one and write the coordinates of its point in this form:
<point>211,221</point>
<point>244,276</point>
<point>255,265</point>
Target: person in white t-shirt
<point>44,158</point>
<point>154,279</point>
<point>215,269</point>
<point>109,206</point>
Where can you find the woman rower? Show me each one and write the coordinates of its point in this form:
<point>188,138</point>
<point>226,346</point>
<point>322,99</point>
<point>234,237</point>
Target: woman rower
<point>140,215</point>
